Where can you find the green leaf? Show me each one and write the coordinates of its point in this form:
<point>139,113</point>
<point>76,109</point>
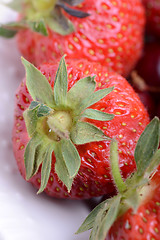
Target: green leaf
<point>97,115</point>
<point>154,163</point>
<point>71,157</point>
<point>30,155</point>
<point>39,27</point>
<point>61,169</point>
<point>84,132</point>
<point>61,83</point>
<point>46,167</point>
<point>93,98</point>
<point>30,117</point>
<point>81,89</point>
<point>37,85</point>
<point>7,33</point>
<point>147,145</point>
<point>90,219</point>
<point>108,220</point>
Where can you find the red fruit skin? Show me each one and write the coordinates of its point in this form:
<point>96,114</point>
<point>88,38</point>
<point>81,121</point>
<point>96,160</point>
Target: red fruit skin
<point>112,35</point>
<point>130,119</point>
<point>153,16</point>
<point>148,101</point>
<point>145,223</point>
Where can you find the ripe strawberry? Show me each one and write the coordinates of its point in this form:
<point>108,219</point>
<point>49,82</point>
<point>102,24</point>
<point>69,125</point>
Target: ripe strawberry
<point>133,214</point>
<point>112,34</point>
<point>153,16</point>
<point>91,175</point>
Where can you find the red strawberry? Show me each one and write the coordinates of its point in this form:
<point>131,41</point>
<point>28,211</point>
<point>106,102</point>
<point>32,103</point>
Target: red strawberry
<point>134,214</point>
<point>153,16</point>
<point>91,176</point>
<point>112,34</point>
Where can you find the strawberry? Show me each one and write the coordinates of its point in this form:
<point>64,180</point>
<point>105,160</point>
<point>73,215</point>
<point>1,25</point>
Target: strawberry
<point>153,16</point>
<point>134,213</point>
<point>109,32</point>
<point>45,122</point>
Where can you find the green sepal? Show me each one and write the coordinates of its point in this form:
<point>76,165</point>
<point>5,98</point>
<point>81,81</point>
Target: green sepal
<point>7,33</point>
<point>30,117</point>
<point>71,157</point>
<point>15,5</point>
<point>120,184</point>
<point>59,23</point>
<point>81,90</point>
<point>67,163</point>
<point>93,98</point>
<point>97,115</point>
<point>155,161</point>
<point>146,146</point>
<point>132,199</point>
<point>61,84</point>
<point>30,155</point>
<point>39,26</point>
<point>90,219</point>
<point>61,168</point>
<point>46,167</point>
<point>43,110</point>
<point>104,220</point>
<point>84,132</point>
<point>37,85</point>
<point>33,113</point>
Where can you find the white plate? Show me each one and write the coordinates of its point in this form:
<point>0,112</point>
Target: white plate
<point>23,214</point>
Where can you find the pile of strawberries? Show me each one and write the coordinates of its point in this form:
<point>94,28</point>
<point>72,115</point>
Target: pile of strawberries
<point>80,129</point>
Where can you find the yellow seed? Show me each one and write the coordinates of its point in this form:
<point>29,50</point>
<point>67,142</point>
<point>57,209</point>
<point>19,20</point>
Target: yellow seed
<point>134,130</point>
<point>109,26</point>
<point>75,39</point>
<point>119,35</point>
<point>118,113</point>
<point>120,136</point>
<point>80,25</point>
<point>123,124</point>
<point>70,46</point>
<point>115,18</point>
<point>91,52</point>
<point>100,41</point>
<point>132,116</point>
<point>120,49</point>
<point>104,6</point>
<point>108,60</point>
<point>70,75</point>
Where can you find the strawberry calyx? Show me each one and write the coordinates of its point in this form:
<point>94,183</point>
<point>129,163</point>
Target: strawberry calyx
<point>41,15</point>
<point>55,122</point>
<point>132,192</point>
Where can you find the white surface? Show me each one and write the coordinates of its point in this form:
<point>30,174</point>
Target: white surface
<point>23,214</point>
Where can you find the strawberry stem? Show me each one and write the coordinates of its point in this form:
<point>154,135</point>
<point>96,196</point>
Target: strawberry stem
<point>115,170</point>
